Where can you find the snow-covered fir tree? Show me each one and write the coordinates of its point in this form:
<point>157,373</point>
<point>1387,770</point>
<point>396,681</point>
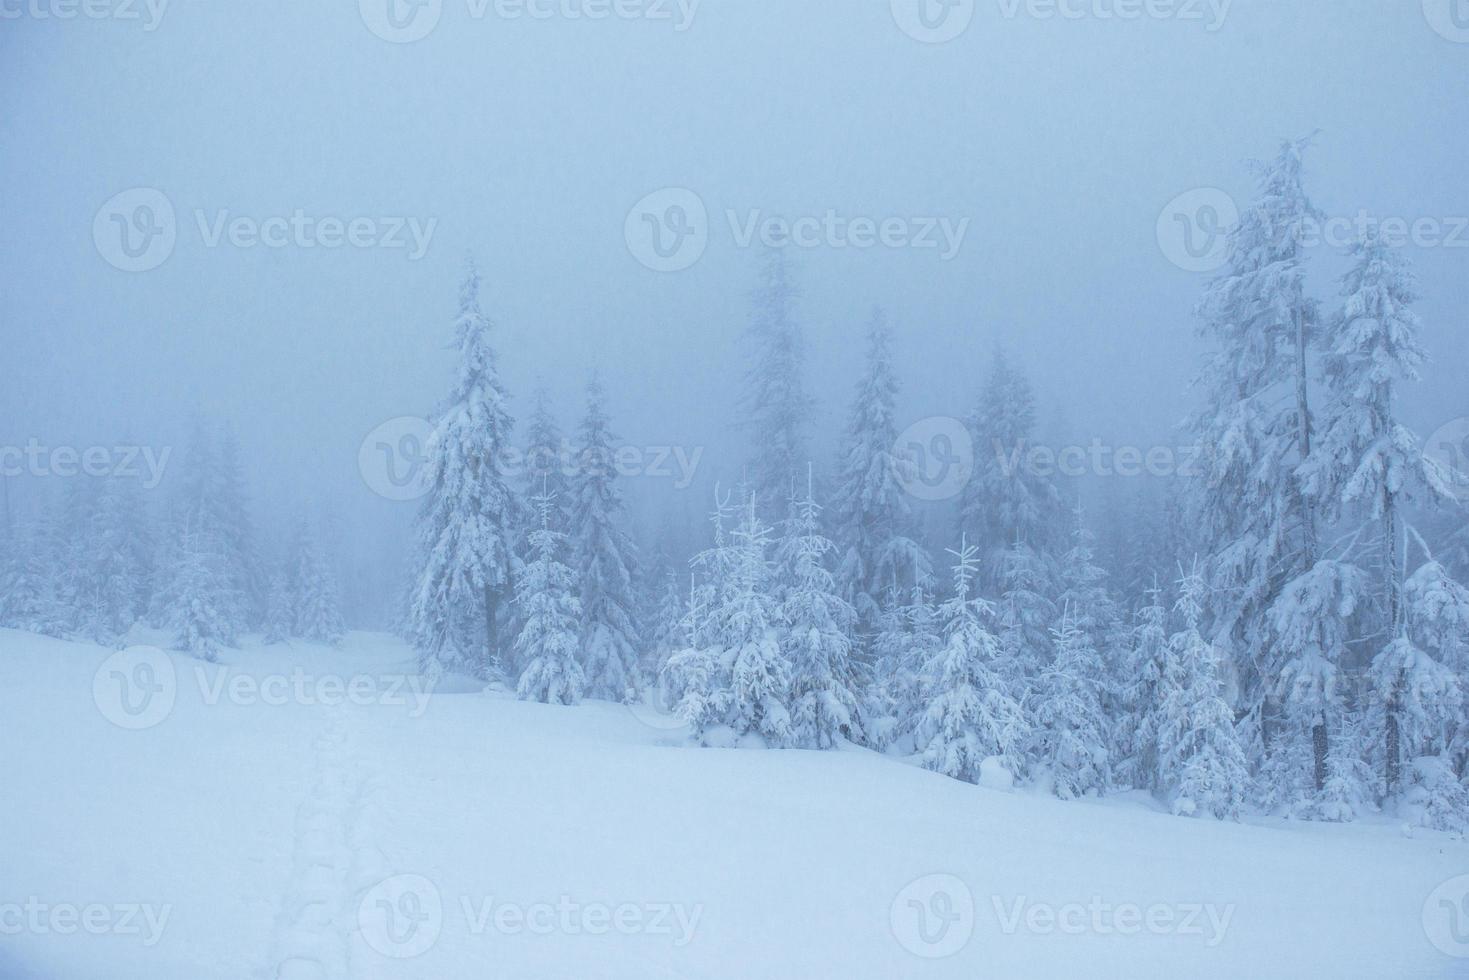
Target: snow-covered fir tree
<point>1314,618</point>
<point>1006,502</point>
<point>551,614</point>
<point>202,605</point>
<point>968,714</point>
<point>816,630</point>
<point>1367,467</point>
<point>871,517</point>
<point>317,613</point>
<point>605,560</point>
<point>748,624</point>
<point>548,463</point>
<point>776,406</point>
<point>1249,511</point>
<point>280,608</point>
<point>1070,736</point>
<point>469,519</point>
<point>106,573</point>
<point>30,597</point>
<point>1199,753</point>
<point>1140,701</point>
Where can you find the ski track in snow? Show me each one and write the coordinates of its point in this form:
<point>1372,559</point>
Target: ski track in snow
<point>335,861</point>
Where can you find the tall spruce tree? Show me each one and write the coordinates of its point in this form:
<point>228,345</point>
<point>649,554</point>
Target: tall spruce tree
<point>469,520</point>
<point>605,560</point>
<point>551,614</point>
<point>873,522</point>
<point>1256,428</point>
<point>816,630</point>
<point>776,406</point>
<point>969,713</point>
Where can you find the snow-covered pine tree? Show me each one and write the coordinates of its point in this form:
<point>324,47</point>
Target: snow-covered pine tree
<point>208,509</point>
<point>202,604</point>
<point>747,624</point>
<point>1367,466</point>
<point>1314,617</point>
<point>551,614</point>
<point>29,596</point>
<point>1141,699</point>
<point>968,715</point>
<point>696,679</point>
<point>1249,509</point>
<point>775,403</point>
<point>1006,502</point>
<point>548,459</point>
<point>280,608</point>
<point>1026,614</point>
<point>605,560</point>
<point>816,630</point>
<point>105,577</point>
<point>469,520</point>
<point>1070,736</point>
<point>872,520</point>
<point>235,529</point>
<point>318,616</point>
<point>666,632</point>
<point>1198,751</point>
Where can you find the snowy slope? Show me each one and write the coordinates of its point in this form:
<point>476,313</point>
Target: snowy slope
<point>492,838</point>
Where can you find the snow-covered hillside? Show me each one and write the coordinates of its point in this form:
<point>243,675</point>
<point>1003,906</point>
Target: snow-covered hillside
<point>304,812</point>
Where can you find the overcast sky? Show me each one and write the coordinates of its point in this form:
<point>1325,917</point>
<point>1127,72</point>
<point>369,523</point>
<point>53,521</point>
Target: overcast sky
<point>1055,143</point>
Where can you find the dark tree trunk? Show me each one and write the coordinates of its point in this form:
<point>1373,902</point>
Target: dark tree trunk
<point>1394,765</point>
<point>1320,745</point>
<point>492,624</point>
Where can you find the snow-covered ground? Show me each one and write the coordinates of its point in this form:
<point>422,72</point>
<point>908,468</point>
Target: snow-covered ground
<point>253,820</point>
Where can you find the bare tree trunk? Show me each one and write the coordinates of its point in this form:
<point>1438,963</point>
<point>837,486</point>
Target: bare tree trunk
<point>492,625</point>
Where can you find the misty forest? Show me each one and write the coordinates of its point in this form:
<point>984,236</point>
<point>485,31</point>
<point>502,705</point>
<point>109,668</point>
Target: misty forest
<point>1036,583</point>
